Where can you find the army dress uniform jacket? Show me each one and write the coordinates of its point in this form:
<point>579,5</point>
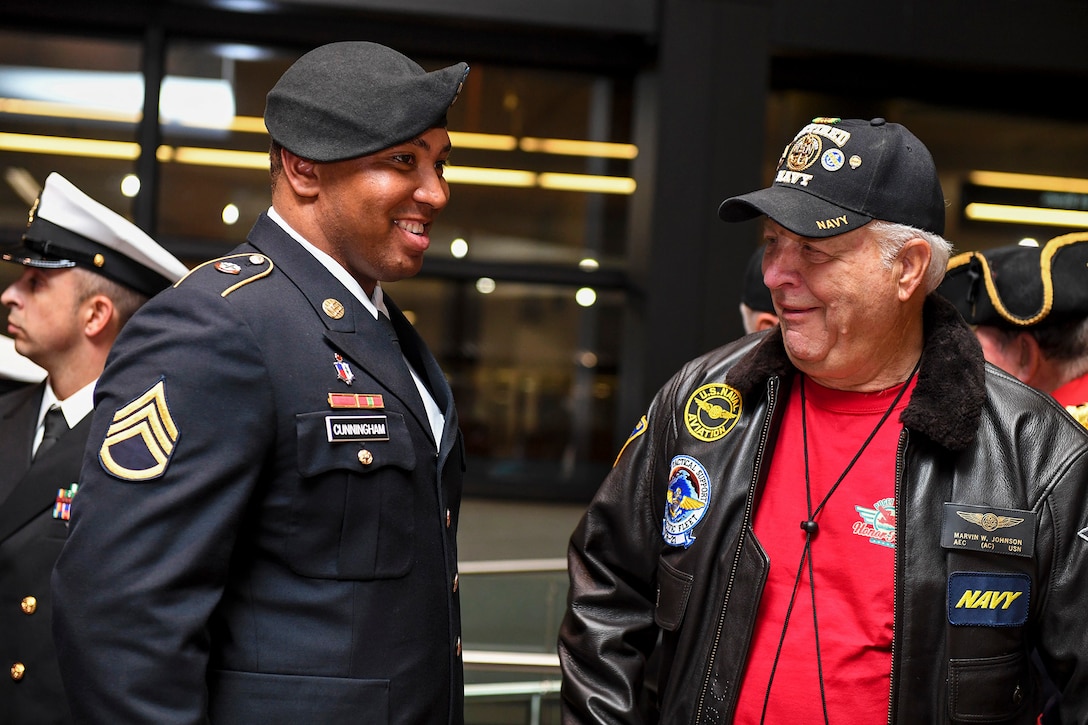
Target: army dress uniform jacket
<point>30,540</point>
<point>246,545</point>
<point>980,454</point>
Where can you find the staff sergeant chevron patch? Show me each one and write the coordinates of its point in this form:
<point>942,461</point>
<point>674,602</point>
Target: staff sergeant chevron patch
<point>141,438</point>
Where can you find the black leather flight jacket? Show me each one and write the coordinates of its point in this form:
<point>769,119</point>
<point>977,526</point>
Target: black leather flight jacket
<point>660,633</point>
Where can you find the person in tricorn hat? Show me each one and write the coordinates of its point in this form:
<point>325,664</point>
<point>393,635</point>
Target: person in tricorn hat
<point>1029,308</point>
<point>85,271</point>
<point>266,524</point>
<point>756,307</point>
<point>848,517</point>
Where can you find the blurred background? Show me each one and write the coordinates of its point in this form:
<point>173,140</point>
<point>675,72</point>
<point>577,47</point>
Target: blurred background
<point>580,261</point>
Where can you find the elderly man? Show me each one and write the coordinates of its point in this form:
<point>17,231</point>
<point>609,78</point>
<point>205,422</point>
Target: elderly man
<point>848,518</point>
<point>85,271</point>
<point>1029,307</point>
<point>265,530</point>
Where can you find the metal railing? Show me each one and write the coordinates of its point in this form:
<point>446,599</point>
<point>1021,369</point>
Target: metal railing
<point>511,611</point>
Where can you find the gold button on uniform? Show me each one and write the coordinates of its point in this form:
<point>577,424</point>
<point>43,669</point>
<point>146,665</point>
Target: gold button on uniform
<point>456,579</point>
<point>19,669</point>
<point>366,457</point>
<point>29,605</point>
<point>458,646</point>
<point>447,518</point>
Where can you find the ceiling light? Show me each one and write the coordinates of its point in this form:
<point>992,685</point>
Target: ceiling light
<point>1031,182</point>
<point>1026,215</point>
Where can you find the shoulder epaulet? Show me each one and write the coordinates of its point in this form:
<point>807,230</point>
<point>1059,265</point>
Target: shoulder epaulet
<point>246,267</point>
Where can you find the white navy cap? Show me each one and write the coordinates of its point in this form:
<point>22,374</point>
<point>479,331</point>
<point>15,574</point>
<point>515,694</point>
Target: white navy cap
<point>67,228</point>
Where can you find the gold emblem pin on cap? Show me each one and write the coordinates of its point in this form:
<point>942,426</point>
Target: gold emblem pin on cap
<point>333,308</point>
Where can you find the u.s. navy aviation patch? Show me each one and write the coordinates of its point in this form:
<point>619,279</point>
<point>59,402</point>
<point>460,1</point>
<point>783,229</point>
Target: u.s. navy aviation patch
<point>686,500</point>
<point>712,411</point>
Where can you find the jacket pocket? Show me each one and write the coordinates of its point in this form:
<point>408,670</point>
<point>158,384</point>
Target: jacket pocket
<point>673,588</point>
<point>243,698</point>
<point>987,689</point>
<point>352,515</point>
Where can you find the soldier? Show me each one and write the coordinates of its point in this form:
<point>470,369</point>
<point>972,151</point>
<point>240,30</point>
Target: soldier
<point>87,270</point>
<point>266,524</point>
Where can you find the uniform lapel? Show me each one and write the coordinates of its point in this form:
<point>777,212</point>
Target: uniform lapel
<point>36,492</point>
<point>351,330</point>
<point>18,415</point>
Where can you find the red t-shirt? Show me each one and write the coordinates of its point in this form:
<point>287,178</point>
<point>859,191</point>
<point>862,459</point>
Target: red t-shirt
<point>1075,392</point>
<point>853,558</point>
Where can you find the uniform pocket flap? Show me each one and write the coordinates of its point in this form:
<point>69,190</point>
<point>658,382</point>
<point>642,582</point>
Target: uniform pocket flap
<point>673,588</point>
<point>241,698</point>
<point>334,440</point>
<point>987,689</point>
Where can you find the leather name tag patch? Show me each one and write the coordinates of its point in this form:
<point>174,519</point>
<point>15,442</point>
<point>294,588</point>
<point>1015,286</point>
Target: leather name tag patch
<point>991,530</point>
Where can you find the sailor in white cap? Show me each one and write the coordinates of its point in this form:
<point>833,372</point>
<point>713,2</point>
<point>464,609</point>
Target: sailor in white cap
<point>87,270</point>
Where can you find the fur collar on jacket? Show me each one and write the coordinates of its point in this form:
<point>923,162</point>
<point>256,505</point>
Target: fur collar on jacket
<point>951,389</point>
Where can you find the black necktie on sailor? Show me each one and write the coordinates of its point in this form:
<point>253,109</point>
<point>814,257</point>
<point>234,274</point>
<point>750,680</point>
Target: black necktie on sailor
<point>55,427</point>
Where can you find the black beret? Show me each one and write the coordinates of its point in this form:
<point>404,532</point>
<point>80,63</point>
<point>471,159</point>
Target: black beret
<point>754,293</point>
<point>353,98</point>
<point>1015,286</point>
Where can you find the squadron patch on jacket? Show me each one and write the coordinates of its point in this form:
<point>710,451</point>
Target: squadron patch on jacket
<point>981,528</point>
<point>712,411</point>
<point>686,500</point>
<point>141,438</point>
<point>640,428</point>
<point>988,599</point>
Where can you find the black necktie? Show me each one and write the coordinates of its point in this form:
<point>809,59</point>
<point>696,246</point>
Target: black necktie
<point>412,355</point>
<point>55,427</point>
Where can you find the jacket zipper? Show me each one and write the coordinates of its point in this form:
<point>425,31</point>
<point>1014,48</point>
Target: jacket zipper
<point>772,390</point>
<point>900,463</point>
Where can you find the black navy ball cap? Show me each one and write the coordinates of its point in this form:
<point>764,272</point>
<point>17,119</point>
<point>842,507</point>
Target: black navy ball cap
<point>353,98</point>
<point>838,175</point>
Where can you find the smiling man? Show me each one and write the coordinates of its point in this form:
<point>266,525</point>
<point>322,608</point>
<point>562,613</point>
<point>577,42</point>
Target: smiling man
<point>266,524</point>
<point>848,518</point>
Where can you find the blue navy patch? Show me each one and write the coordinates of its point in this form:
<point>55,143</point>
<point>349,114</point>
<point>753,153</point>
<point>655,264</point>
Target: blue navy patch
<point>687,500</point>
<point>987,599</point>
